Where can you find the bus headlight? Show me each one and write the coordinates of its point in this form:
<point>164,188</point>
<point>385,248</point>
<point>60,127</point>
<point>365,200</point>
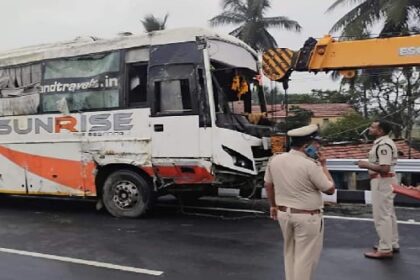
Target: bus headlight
<point>238,159</point>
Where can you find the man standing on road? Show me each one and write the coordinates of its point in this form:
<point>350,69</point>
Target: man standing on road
<point>382,159</point>
<point>294,182</point>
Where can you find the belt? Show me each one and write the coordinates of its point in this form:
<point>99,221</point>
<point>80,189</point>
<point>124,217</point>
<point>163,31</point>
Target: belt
<point>298,211</point>
<point>378,175</point>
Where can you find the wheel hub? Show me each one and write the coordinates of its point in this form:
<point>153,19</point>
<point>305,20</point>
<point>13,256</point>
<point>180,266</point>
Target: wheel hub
<point>126,194</point>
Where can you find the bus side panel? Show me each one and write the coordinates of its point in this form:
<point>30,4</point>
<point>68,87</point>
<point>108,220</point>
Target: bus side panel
<point>52,168</point>
<point>12,176</point>
<point>57,155</point>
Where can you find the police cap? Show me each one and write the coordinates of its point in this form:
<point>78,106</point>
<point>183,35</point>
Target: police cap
<point>304,131</point>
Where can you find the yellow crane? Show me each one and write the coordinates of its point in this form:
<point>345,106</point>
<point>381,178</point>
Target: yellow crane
<point>327,54</point>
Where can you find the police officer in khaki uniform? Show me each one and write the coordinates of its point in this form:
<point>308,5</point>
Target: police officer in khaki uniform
<point>294,182</point>
<point>382,160</point>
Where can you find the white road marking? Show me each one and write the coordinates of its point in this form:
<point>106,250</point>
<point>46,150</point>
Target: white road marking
<point>84,262</point>
<point>409,222</point>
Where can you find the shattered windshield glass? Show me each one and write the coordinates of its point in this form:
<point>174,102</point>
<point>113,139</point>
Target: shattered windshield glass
<point>234,77</point>
<point>235,89</point>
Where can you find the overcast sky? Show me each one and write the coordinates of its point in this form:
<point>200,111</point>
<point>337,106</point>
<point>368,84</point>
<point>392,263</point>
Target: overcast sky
<point>29,22</point>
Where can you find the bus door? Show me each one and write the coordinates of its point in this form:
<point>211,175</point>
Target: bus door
<point>175,91</point>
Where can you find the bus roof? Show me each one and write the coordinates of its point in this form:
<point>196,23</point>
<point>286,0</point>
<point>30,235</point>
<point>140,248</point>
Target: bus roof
<point>90,45</point>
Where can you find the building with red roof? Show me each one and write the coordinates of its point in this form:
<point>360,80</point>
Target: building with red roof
<point>323,113</point>
<point>360,151</point>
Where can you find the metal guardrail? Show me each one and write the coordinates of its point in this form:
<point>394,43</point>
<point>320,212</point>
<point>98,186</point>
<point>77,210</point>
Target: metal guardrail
<point>403,165</point>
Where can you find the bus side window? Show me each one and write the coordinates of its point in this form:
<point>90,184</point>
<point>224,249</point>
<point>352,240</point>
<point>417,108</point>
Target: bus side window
<point>173,96</point>
<point>137,84</point>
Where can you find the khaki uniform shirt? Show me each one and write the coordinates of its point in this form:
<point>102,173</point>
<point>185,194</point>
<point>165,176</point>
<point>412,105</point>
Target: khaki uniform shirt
<point>383,152</point>
<point>297,180</point>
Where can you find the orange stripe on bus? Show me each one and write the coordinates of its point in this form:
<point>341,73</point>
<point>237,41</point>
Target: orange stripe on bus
<point>185,174</point>
<point>70,173</point>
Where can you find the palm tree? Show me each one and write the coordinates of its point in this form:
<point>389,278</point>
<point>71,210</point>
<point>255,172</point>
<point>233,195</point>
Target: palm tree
<point>398,17</point>
<point>152,23</point>
<point>253,25</point>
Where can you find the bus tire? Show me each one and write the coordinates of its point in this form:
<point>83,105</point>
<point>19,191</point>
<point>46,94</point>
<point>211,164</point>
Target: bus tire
<point>127,194</point>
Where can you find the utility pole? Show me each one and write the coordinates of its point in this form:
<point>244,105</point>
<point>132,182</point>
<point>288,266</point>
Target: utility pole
<point>410,109</point>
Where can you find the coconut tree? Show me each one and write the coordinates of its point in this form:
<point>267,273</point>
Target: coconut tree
<point>250,15</point>
<point>396,17</point>
<point>152,23</point>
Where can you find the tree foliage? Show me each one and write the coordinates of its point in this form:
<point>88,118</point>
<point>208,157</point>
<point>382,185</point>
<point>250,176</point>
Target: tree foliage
<point>332,96</point>
<point>250,15</point>
<point>152,23</point>
<point>347,128</point>
<point>275,96</point>
<point>387,93</point>
<point>393,98</point>
<point>297,117</point>
<point>395,17</point>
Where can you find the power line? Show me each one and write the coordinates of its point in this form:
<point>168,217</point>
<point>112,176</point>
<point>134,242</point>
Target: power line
<point>367,122</point>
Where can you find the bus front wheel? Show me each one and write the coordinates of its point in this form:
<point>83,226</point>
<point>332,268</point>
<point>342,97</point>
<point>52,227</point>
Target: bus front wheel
<point>126,194</point>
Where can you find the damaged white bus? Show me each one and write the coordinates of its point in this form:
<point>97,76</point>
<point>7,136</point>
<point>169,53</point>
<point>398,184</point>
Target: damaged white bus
<point>126,119</point>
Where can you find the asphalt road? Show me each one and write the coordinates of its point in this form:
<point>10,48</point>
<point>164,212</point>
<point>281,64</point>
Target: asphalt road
<point>223,239</point>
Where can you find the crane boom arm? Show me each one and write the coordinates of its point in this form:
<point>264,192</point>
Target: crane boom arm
<point>327,54</point>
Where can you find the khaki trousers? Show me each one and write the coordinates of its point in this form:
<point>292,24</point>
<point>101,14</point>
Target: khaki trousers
<point>384,213</point>
<point>303,237</point>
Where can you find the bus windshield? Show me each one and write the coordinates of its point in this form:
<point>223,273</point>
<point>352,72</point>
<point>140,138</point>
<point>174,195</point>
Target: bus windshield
<point>234,77</point>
